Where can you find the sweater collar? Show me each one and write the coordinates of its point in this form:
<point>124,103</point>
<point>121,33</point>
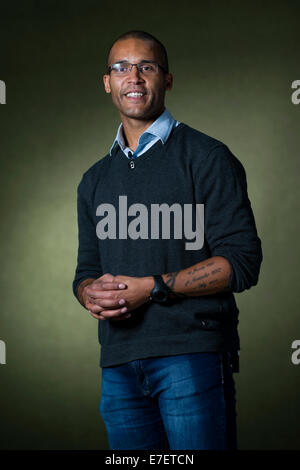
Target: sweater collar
<point>160,128</point>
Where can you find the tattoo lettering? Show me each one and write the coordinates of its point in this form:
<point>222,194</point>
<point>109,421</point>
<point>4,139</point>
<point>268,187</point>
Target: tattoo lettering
<point>171,278</point>
<point>214,271</point>
<point>203,285</point>
<point>195,270</point>
<point>200,277</point>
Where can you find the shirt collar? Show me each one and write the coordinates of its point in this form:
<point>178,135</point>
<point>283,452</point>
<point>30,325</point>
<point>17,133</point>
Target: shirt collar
<point>160,128</point>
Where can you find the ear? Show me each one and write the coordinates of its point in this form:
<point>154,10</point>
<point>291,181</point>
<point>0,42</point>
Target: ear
<point>168,81</point>
<point>106,81</point>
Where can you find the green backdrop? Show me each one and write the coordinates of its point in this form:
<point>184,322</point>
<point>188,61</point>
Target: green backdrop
<point>233,65</point>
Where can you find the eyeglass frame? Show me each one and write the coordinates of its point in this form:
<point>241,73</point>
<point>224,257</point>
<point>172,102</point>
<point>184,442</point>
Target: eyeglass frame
<point>109,69</point>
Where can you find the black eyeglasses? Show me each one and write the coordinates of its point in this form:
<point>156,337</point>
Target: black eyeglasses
<point>145,67</point>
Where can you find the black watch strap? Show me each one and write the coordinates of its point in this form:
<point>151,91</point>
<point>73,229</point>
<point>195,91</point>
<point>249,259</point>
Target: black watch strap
<point>160,292</point>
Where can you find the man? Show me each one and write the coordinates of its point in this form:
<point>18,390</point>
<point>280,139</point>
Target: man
<point>166,309</point>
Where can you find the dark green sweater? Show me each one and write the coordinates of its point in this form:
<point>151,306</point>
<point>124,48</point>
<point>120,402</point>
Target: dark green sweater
<point>191,168</point>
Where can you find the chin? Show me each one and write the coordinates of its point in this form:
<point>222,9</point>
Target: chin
<point>136,113</point>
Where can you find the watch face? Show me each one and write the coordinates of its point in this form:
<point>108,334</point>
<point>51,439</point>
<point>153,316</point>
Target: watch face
<point>160,296</point>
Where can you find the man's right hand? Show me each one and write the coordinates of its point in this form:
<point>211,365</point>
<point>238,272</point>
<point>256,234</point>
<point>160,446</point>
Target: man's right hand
<point>104,282</point>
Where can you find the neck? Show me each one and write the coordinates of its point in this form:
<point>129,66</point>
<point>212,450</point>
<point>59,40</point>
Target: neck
<point>134,128</point>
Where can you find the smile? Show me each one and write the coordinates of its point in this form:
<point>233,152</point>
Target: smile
<point>135,96</point>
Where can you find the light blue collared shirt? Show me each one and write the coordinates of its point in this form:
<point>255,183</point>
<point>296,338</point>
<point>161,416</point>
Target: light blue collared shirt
<point>159,130</point>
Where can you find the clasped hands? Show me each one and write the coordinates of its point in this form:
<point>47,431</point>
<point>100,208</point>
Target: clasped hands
<point>113,297</point>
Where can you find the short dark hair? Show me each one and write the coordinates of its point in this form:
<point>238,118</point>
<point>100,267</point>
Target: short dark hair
<point>145,37</point>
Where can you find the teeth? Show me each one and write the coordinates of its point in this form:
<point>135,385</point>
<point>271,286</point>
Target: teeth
<point>135,94</point>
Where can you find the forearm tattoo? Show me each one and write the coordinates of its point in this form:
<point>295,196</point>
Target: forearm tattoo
<point>171,277</point>
<point>193,276</point>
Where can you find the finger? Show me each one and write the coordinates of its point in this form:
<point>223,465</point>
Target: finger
<point>105,312</point>
<point>104,290</point>
<point>109,303</point>
<point>113,313</point>
<point>97,289</point>
<point>102,294</point>
<point>90,304</point>
<point>112,285</point>
<point>96,308</point>
<point>101,317</point>
<point>98,317</point>
<point>106,276</point>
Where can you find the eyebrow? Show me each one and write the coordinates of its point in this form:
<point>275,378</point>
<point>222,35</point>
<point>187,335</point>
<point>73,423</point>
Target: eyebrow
<point>140,62</point>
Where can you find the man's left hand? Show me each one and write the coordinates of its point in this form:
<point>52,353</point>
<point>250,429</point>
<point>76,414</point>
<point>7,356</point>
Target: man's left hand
<point>135,294</point>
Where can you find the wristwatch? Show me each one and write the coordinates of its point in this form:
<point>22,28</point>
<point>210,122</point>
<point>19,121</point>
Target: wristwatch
<point>160,292</point>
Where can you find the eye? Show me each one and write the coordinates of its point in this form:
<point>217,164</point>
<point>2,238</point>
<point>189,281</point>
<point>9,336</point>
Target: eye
<point>148,68</point>
<point>121,68</point>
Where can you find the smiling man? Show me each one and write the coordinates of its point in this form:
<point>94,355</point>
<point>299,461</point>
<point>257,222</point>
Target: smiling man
<point>167,317</point>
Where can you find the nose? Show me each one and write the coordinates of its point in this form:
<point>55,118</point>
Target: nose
<point>135,74</point>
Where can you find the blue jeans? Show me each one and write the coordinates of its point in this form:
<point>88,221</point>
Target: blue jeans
<point>184,401</point>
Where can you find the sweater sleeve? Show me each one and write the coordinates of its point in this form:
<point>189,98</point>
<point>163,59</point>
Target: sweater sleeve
<point>88,261</point>
<point>229,225</point>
